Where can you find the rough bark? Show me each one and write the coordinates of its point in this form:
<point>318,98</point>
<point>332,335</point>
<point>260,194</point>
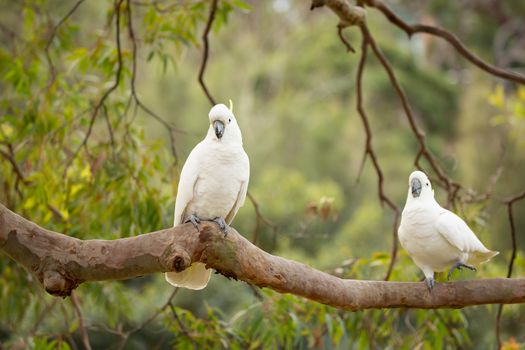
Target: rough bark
<point>61,263</point>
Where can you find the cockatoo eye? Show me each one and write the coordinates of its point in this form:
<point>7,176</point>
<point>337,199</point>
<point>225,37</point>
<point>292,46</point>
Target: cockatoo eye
<point>229,120</point>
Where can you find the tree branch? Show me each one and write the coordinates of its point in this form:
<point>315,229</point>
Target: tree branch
<point>61,263</point>
<point>50,63</point>
<point>509,203</point>
<point>16,168</point>
<point>170,128</point>
<point>81,323</point>
<point>108,92</point>
<point>369,151</point>
<point>125,336</point>
<point>349,15</point>
<point>211,17</point>
<point>450,38</point>
<point>259,218</point>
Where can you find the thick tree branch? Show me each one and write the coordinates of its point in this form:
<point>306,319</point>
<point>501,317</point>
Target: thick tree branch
<point>61,263</point>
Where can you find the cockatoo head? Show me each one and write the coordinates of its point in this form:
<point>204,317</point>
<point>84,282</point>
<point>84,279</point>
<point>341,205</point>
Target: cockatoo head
<point>223,126</point>
<point>419,185</point>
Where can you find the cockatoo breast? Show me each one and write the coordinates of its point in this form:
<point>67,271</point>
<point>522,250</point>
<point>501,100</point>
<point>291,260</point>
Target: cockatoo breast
<point>420,238</point>
<point>222,172</point>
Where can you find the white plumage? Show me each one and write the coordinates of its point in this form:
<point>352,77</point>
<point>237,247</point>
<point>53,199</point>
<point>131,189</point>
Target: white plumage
<point>212,186</point>
<point>436,238</point>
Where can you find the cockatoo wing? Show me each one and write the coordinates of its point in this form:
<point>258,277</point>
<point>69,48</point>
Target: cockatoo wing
<point>195,276</point>
<point>187,182</point>
<point>241,196</point>
<point>458,234</point>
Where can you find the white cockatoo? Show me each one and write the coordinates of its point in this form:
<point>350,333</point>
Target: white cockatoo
<point>212,186</point>
<point>436,238</point>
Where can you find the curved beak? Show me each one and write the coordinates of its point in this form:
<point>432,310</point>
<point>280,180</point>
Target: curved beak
<point>218,126</point>
<point>415,186</point>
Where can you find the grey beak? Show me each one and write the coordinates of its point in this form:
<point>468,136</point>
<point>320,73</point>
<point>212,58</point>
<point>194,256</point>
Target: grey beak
<point>415,186</point>
<point>219,128</point>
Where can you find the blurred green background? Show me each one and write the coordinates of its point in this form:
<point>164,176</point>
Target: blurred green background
<point>292,84</point>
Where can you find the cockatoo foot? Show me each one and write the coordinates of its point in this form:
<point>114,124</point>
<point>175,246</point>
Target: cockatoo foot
<point>222,224</point>
<point>195,220</point>
<point>430,283</point>
<point>458,266</point>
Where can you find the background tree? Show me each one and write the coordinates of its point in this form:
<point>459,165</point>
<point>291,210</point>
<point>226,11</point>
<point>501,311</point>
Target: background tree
<point>101,103</point>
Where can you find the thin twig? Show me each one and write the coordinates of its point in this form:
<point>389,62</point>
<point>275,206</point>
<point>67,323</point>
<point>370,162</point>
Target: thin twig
<point>52,37</point>
<point>10,33</point>
<point>345,42</point>
<point>171,129</point>
<point>448,328</point>
<point>168,8</point>
<point>259,218</point>
<point>67,325</point>
<point>211,17</point>
<point>9,156</point>
<point>45,312</point>
<point>450,38</point>
<point>156,314</point>
<point>451,186</point>
<point>116,83</point>
<point>181,324</point>
<point>81,323</point>
<point>150,319</point>
<point>509,203</point>
<point>369,328</point>
<point>369,150</point>
<point>110,131</point>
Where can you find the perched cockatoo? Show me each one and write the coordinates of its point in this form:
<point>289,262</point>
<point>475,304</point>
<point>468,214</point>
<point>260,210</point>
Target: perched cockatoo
<point>212,186</point>
<point>436,238</point>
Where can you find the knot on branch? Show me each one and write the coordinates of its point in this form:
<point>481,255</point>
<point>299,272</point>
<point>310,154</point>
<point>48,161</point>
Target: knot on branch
<point>180,261</point>
<point>349,15</point>
<point>57,284</point>
<point>179,264</point>
<point>175,258</point>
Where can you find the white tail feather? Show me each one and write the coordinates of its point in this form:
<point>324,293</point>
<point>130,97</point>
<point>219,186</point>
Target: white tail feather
<point>194,277</point>
<point>478,257</point>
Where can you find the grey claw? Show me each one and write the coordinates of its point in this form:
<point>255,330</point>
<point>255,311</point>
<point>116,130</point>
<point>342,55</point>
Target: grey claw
<point>458,266</point>
<point>195,220</point>
<point>472,268</point>
<point>430,283</point>
<point>222,225</point>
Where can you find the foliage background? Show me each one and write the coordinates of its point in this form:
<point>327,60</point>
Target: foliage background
<point>83,152</point>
